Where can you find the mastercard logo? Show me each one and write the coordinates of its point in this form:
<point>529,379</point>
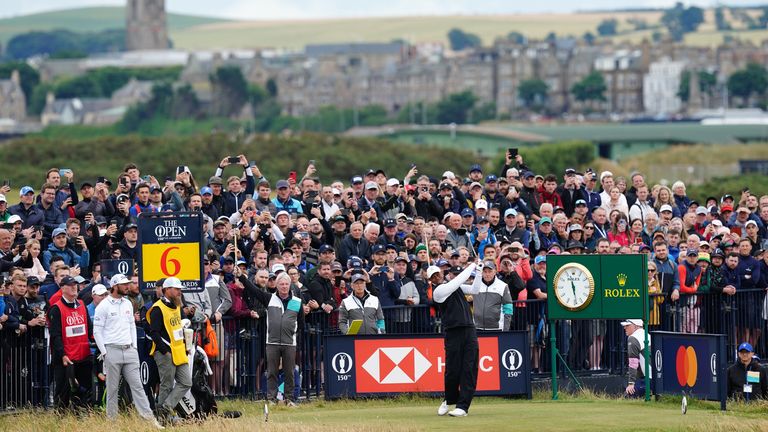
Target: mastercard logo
<point>686,366</point>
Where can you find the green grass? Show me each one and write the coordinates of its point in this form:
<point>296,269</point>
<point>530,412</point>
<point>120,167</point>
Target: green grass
<point>583,413</point>
<point>89,19</point>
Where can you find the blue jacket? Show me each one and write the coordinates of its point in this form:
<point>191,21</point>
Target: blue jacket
<point>31,216</point>
<point>669,268</point>
<point>682,203</point>
<point>70,257</point>
<point>389,291</point>
<point>52,219</point>
<point>292,206</point>
<point>749,272</point>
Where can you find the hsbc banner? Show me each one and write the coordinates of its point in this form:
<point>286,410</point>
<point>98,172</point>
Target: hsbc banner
<point>380,365</point>
<point>690,364</point>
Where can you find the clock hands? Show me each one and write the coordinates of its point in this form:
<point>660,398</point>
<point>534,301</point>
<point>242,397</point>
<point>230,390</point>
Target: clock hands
<point>573,288</point>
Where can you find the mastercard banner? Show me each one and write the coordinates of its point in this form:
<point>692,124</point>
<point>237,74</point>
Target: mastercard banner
<point>370,365</point>
<point>690,364</point>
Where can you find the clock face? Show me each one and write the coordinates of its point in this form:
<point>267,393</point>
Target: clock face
<point>574,287</point>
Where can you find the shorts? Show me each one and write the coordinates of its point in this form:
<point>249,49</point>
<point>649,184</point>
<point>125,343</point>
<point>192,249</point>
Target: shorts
<point>597,328</point>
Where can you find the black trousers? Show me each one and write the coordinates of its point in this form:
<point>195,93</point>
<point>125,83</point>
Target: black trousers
<point>64,396</point>
<point>461,360</point>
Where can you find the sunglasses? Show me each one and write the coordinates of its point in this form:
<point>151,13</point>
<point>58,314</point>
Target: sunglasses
<point>589,227</point>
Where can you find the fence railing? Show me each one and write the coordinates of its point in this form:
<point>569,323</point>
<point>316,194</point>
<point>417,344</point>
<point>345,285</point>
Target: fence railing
<point>586,346</point>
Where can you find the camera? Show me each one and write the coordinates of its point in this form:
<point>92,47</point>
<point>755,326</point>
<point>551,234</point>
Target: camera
<point>233,159</point>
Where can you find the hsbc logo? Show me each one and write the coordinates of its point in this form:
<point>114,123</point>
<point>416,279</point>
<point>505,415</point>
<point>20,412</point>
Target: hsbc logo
<point>512,360</point>
<point>341,363</point>
<point>396,365</point>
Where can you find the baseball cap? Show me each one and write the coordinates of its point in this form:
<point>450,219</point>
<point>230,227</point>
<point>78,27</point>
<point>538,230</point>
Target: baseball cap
<point>33,280</point>
<point>370,171</point>
<point>575,227</point>
<point>481,219</point>
<point>703,243</point>
<point>371,185</point>
<point>449,175</point>
<point>325,248</point>
<point>282,184</point>
<point>665,207</point>
<point>14,218</point>
<point>401,258</point>
<point>85,184</point>
<point>130,225</point>
<point>357,276</point>
<point>692,252</point>
<point>26,190</point>
<point>2,198</point>
<point>489,264</point>
<point>746,346</point>
<point>335,192</point>
<point>467,212</point>
<point>750,222</point>
<point>490,178</point>
<point>432,270</point>
<point>393,182</point>
<point>219,223</point>
<point>725,208</point>
<point>540,259</point>
<point>717,253</point>
<point>445,185</point>
<point>281,213</point>
<point>528,174</point>
<point>580,202</point>
<point>206,191</point>
<point>474,185</point>
<point>67,280</point>
<point>119,279</point>
<point>277,268</point>
<point>701,211</point>
<point>481,204</point>
<point>605,174</point>
<point>356,180</point>
<point>153,189</point>
<point>703,256</point>
<point>475,167</point>
<point>79,279</point>
<point>510,211</point>
<point>725,197</point>
<point>215,180</point>
<point>390,222</point>
<point>336,266</point>
<point>378,248</point>
<point>98,289</point>
<point>544,220</point>
<point>637,322</point>
<point>742,210</point>
<point>442,262</point>
<point>172,282</point>
<point>59,231</point>
<point>455,270</point>
<point>570,171</point>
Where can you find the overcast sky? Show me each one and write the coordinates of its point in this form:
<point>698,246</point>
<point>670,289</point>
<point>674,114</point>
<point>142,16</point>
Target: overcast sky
<point>307,9</point>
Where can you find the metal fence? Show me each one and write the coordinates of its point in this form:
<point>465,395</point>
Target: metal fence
<point>586,346</point>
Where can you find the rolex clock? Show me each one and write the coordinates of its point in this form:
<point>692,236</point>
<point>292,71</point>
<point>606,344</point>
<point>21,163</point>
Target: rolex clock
<point>574,287</point>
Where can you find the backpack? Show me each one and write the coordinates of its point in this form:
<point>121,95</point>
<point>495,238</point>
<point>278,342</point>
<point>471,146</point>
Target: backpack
<point>208,341</point>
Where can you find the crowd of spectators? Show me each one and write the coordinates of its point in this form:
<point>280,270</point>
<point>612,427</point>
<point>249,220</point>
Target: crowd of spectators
<point>376,234</point>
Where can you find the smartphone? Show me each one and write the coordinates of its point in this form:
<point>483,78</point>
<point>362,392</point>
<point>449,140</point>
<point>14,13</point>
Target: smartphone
<point>292,176</point>
<point>146,178</point>
<point>311,195</point>
<point>233,159</point>
<point>101,179</point>
<point>180,169</point>
<point>64,171</point>
<point>7,183</point>
<point>124,180</point>
<point>383,269</point>
<point>252,163</point>
<point>512,152</point>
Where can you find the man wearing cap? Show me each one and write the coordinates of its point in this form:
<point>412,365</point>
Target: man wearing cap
<point>361,305</point>
<point>26,208</point>
<point>129,245</point>
<point>476,173</point>
<point>89,203</point>
<point>511,231</point>
<point>114,330</point>
<point>492,194</point>
<point>208,207</point>
<point>570,191</point>
<point>168,347</point>
<point>461,347</point>
<point>371,201</point>
<point>58,247</point>
<point>70,332</point>
<point>636,372</point>
<point>492,302</point>
<point>747,379</point>
<point>283,200</point>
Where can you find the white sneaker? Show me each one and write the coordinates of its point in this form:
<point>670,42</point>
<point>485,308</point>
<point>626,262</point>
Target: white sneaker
<point>443,410</point>
<point>457,412</point>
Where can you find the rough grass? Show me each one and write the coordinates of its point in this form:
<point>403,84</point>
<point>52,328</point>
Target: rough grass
<point>583,412</point>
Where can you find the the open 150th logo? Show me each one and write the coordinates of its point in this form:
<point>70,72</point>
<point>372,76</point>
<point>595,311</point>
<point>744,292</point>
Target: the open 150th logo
<point>686,366</point>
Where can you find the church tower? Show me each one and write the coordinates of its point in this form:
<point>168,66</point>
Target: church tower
<point>145,25</point>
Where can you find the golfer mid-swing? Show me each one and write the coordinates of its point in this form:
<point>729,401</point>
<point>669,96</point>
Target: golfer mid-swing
<point>461,349</point>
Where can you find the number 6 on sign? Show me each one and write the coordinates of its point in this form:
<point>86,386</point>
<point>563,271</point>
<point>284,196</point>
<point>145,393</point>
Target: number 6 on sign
<point>181,260</point>
<point>164,260</point>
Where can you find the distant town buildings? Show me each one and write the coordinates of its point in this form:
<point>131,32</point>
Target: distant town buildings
<point>13,104</point>
<point>641,79</point>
